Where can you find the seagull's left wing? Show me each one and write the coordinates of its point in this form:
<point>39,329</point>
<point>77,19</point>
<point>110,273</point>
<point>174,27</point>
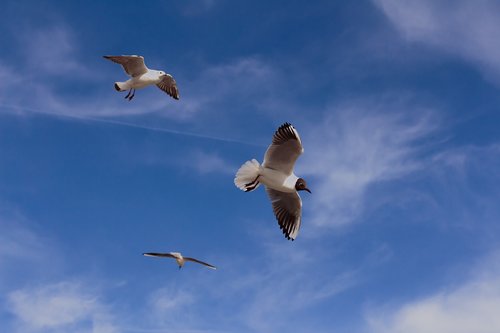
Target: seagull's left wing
<point>287,208</point>
<point>132,64</point>
<point>199,262</point>
<point>285,149</point>
<point>169,86</point>
<point>153,254</point>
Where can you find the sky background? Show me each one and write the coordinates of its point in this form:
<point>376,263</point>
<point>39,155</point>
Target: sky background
<point>397,104</point>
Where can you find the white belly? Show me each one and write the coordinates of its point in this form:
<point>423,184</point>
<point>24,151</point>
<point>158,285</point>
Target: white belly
<point>144,81</point>
<point>278,180</point>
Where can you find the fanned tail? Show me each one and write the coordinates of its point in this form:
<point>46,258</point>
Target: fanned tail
<point>247,177</point>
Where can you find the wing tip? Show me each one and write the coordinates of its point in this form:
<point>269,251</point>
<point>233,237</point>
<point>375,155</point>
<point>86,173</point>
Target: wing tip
<point>285,132</point>
<point>285,125</point>
<point>289,234</point>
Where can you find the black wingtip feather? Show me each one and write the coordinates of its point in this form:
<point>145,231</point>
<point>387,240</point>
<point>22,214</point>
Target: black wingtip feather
<point>284,132</point>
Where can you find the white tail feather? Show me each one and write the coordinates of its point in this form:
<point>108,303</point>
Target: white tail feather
<point>121,86</point>
<point>246,176</point>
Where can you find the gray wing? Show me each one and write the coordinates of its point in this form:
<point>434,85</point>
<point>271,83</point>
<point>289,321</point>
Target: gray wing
<point>169,86</point>
<point>132,64</point>
<point>287,208</point>
<point>199,262</point>
<point>285,149</point>
<point>153,254</point>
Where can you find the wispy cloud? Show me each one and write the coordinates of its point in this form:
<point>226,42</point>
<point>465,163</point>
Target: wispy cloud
<point>468,29</point>
<point>53,51</point>
<point>468,188</point>
<point>206,163</point>
<point>18,242</point>
<point>247,80</point>
<point>60,307</point>
<point>470,307</point>
<point>27,254</point>
<point>276,285</point>
<point>353,148</point>
<point>282,294</point>
<point>169,306</point>
<point>24,251</point>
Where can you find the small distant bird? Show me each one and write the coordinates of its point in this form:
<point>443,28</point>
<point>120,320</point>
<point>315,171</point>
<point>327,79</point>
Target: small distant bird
<point>178,257</point>
<point>276,173</point>
<point>141,76</point>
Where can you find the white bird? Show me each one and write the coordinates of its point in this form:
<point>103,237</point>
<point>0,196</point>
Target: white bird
<point>141,76</point>
<point>178,257</point>
<point>276,173</point>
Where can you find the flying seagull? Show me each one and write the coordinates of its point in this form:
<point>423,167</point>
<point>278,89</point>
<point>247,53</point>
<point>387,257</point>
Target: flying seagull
<point>178,257</point>
<point>276,173</point>
<point>141,76</point>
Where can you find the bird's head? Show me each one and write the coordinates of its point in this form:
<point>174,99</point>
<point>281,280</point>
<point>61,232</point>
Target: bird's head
<point>301,185</point>
<point>162,73</point>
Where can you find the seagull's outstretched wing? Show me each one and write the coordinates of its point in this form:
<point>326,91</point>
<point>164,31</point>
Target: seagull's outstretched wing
<point>153,254</point>
<point>132,64</point>
<point>287,208</point>
<point>285,149</point>
<point>199,262</point>
<point>169,86</point>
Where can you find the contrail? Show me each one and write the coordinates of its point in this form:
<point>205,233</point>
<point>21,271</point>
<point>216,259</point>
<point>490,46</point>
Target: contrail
<point>127,124</point>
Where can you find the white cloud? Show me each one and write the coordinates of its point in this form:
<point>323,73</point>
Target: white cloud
<point>53,50</point>
<point>466,28</point>
<point>18,243</point>
<point>7,76</point>
<point>169,305</point>
<point>471,307</point>
<point>275,285</point>
<point>471,156</point>
<point>284,292</point>
<point>28,257</point>
<point>466,174</point>
<point>250,81</point>
<point>353,148</point>
<point>23,250</point>
<point>205,163</point>
<point>59,307</point>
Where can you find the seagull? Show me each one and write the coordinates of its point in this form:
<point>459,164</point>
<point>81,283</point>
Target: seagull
<point>178,257</point>
<point>141,76</point>
<point>276,173</point>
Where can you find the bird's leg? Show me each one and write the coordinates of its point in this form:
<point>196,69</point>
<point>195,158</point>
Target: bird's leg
<point>128,95</point>
<point>180,267</point>
<point>133,94</point>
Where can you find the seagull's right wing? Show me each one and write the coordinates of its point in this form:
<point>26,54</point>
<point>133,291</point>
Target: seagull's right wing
<point>287,208</point>
<point>200,262</point>
<point>285,149</point>
<point>153,254</point>
<point>132,64</point>
<point>169,86</point>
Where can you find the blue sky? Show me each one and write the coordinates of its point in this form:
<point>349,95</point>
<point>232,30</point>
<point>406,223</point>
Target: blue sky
<point>397,105</point>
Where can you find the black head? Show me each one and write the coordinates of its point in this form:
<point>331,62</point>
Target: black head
<point>301,185</point>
